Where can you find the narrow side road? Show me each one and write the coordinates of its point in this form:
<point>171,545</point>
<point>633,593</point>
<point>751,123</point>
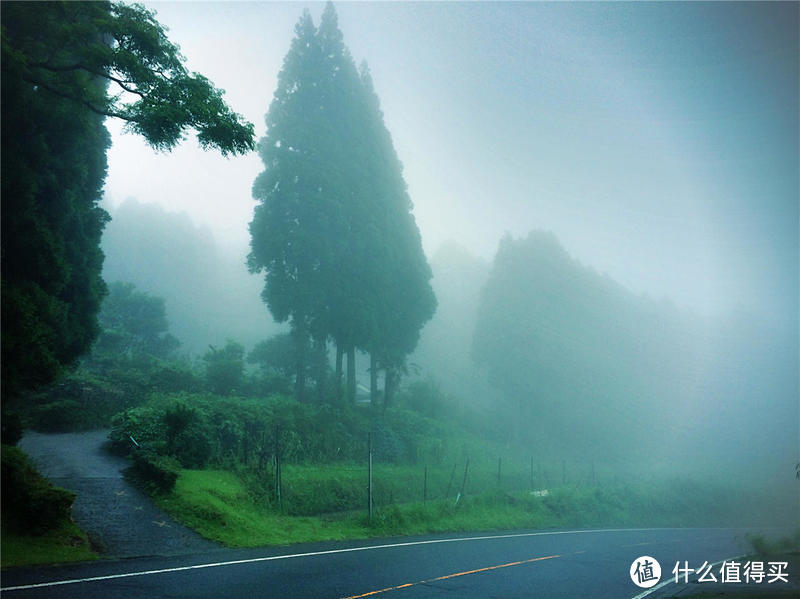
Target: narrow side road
<point>120,520</point>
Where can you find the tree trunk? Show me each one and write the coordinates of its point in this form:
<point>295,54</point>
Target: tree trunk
<point>321,374</point>
<point>339,356</point>
<point>373,380</point>
<point>389,381</point>
<point>300,380</point>
<point>351,374</point>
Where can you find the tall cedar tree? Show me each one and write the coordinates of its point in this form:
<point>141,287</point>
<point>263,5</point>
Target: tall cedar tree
<point>399,271</point>
<point>333,228</point>
<point>58,59</point>
<point>301,229</point>
<point>289,231</point>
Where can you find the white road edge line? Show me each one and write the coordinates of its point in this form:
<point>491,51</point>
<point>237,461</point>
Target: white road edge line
<point>313,553</point>
<point>644,594</point>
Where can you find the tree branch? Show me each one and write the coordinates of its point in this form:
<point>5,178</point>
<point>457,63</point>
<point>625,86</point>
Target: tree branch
<point>57,69</point>
<point>83,102</point>
<point>124,84</point>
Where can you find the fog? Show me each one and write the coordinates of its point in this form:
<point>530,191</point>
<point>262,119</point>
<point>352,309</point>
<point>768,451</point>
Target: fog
<point>209,294</point>
<point>653,150</point>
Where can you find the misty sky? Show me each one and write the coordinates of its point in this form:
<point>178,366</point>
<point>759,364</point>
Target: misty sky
<point>659,142</point>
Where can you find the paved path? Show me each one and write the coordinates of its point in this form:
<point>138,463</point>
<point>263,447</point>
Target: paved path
<point>120,520</point>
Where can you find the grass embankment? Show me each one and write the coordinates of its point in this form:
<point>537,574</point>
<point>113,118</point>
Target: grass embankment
<point>36,523</point>
<point>220,454</point>
<point>220,506</point>
<point>67,543</point>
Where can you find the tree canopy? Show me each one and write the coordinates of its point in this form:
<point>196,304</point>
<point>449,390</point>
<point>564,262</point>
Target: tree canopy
<point>134,327</point>
<point>225,368</point>
<point>333,230</point>
<point>573,351</point>
<point>66,66</point>
<point>72,50</point>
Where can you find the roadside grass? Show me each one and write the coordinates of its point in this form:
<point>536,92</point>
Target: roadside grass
<point>36,517</point>
<point>218,505</point>
<point>67,543</point>
<point>223,507</point>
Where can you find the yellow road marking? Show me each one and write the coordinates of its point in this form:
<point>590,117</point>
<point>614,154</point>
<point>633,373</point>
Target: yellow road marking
<point>411,584</point>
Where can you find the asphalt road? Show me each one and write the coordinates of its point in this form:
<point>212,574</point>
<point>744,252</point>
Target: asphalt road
<point>523,564</point>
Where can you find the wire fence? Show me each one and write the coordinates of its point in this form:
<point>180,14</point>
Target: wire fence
<point>330,488</point>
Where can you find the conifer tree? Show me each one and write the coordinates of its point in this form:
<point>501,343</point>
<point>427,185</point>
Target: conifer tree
<point>333,230</point>
<point>288,231</point>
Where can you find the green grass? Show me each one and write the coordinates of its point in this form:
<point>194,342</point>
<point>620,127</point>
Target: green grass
<point>65,544</point>
<point>36,523</point>
<point>222,507</point>
<point>218,505</point>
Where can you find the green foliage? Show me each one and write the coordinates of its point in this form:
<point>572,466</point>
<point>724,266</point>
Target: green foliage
<point>174,428</point>
<point>58,416</point>
<point>78,401</point>
<point>245,432</point>
<point>207,429</point>
<point>145,424</point>
<point>134,329</point>
<point>333,230</point>
<point>52,223</point>
<point>58,59</point>
<point>225,368</point>
<point>156,473</point>
<point>425,397</point>
<point>276,355</point>
<point>62,47</point>
<point>177,419</point>
<point>30,503</point>
<point>402,299</point>
<point>173,376</point>
<point>12,428</point>
<point>279,358</point>
<point>220,506</point>
<point>133,355</point>
<point>187,437</point>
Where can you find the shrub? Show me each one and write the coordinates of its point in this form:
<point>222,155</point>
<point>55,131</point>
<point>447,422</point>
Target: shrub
<point>145,424</point>
<point>174,377</point>
<point>59,416</point>
<point>155,472</point>
<point>176,419</point>
<point>225,368</point>
<point>192,446</point>
<point>31,503</point>
<point>11,428</point>
<point>77,402</point>
<point>425,397</point>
